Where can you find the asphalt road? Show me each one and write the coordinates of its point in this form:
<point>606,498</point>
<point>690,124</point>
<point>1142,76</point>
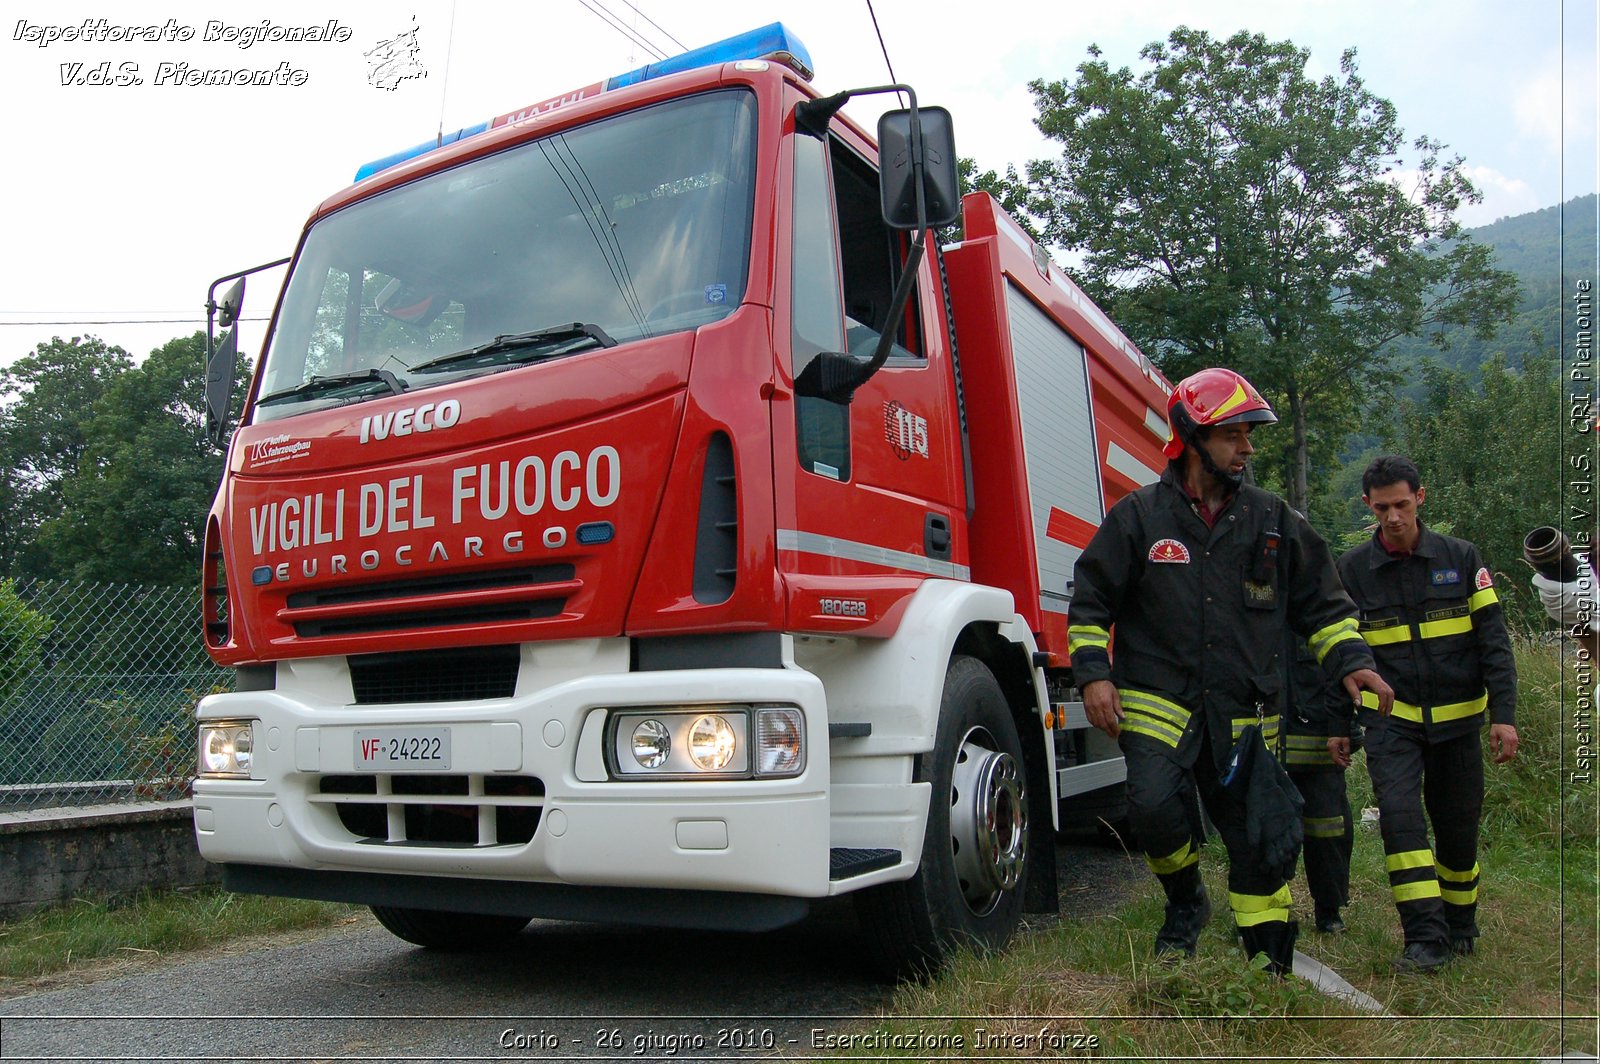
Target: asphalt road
<point>560,991</point>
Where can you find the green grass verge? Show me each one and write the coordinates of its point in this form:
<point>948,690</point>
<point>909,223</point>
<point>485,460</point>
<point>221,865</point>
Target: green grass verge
<point>1530,991</point>
<point>86,933</point>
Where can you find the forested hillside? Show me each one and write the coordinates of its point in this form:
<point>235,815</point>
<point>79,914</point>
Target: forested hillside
<point>1535,248</point>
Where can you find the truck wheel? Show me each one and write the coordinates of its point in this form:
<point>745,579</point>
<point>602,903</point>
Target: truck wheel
<point>968,888</point>
<point>449,931</point>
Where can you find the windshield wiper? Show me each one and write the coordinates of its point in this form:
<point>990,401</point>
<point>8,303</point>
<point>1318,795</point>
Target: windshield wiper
<point>319,385</point>
<point>508,342</point>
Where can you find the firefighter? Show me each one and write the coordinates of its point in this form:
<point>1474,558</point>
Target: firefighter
<point>1430,613</point>
<point>1194,577</point>
<point>1329,827</point>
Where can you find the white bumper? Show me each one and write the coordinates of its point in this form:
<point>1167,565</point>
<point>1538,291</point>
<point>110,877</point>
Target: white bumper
<point>765,836</point>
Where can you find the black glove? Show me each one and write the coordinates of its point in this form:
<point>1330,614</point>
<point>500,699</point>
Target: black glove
<point>1272,804</point>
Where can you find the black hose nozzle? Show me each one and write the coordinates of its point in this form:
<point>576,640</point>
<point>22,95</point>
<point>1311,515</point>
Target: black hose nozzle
<point>1548,551</point>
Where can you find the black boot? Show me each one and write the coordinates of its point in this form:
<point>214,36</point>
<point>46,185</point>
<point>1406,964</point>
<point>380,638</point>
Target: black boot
<point>1188,911</point>
<point>1423,957</point>
<point>1275,939</point>
<point>1329,922</point>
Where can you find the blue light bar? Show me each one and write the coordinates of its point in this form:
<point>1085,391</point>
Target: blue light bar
<point>771,40</point>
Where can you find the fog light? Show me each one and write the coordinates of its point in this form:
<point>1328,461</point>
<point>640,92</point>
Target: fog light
<point>226,749</point>
<point>651,743</point>
<point>780,742</point>
<point>711,743</point>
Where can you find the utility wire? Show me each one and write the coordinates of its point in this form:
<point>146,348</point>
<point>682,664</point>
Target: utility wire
<point>881,46</point>
<point>125,321</point>
<point>604,15</point>
<point>658,26</point>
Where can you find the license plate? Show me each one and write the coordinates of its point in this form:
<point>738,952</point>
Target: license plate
<point>404,749</point>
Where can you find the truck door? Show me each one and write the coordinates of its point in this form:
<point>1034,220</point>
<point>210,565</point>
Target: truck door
<point>868,493</point>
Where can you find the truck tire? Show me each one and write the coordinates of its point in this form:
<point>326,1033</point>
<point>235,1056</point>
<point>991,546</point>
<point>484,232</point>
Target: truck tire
<point>968,890</point>
<point>449,931</point>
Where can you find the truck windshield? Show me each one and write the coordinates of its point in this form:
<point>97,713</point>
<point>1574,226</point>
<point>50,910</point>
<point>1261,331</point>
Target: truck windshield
<point>633,226</point>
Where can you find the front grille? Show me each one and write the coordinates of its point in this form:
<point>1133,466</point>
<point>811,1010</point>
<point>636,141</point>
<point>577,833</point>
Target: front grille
<point>456,674</point>
<point>526,593</point>
<point>443,811</point>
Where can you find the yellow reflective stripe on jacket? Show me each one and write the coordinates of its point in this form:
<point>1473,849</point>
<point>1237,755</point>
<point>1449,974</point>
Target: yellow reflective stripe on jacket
<point>1459,897</point>
<point>1449,626</point>
<point>1480,599</point>
<point>1457,710</point>
<point>1085,635</point>
<point>1428,888</point>
<point>1269,727</point>
<point>1378,637</point>
<point>1252,909</point>
<point>1453,876</point>
<point>1153,716</point>
<point>1324,639</point>
<point>1440,714</point>
<point>1176,861</point>
<point>1398,862</point>
<point>1155,706</point>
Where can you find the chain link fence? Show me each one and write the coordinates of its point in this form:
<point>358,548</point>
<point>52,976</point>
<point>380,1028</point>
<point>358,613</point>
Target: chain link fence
<point>98,684</point>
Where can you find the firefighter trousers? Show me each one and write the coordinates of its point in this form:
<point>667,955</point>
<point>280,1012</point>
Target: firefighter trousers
<point>1435,889</point>
<point>1161,814</point>
<point>1329,835</point>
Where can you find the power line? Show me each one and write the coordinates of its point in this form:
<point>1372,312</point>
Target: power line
<point>658,26</point>
<point>881,46</point>
<point>125,321</point>
<point>611,20</point>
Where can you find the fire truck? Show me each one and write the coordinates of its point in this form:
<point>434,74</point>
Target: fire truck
<point>637,516</point>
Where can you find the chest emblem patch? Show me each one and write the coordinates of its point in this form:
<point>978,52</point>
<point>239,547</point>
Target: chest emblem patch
<point>1169,551</point>
<point>1483,581</point>
<point>1444,577</point>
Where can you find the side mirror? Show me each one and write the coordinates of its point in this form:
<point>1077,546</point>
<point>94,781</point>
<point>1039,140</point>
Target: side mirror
<point>912,143</point>
<point>219,385</point>
<point>228,309</point>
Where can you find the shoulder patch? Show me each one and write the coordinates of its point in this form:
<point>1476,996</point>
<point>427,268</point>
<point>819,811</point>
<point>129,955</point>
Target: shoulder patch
<point>1445,577</point>
<point>1483,581</point>
<point>1169,551</point>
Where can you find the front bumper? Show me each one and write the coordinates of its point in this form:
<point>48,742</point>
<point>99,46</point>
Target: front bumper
<point>529,772</point>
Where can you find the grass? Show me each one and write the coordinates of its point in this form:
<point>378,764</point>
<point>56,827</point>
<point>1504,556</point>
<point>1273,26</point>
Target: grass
<point>1093,979</point>
<point>88,932</point>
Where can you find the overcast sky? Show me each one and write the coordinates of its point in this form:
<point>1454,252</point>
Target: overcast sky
<point>126,201</point>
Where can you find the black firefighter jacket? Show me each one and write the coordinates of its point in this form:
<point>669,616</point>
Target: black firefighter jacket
<point>1434,623</point>
<point>1199,614</point>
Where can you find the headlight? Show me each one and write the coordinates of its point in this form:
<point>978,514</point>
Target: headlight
<point>226,748</point>
<point>712,743</point>
<point>707,742</point>
<point>651,743</point>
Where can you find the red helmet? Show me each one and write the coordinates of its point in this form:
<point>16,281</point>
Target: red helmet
<point>1213,396</point>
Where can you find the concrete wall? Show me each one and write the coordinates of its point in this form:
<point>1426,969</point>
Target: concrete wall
<point>50,856</point>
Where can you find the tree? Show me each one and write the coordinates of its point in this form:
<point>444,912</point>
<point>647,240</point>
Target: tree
<point>134,509</point>
<point>50,396</point>
<point>1232,211</point>
<point>1490,457</point>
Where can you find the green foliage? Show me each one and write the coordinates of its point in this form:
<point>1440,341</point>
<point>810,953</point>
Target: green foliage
<point>116,474</point>
<point>50,397</point>
<point>22,634</point>
<point>1232,211</point>
<point>1490,456</point>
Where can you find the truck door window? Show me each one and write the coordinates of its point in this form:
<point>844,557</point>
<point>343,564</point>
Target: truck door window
<point>822,428</point>
<point>872,255</point>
